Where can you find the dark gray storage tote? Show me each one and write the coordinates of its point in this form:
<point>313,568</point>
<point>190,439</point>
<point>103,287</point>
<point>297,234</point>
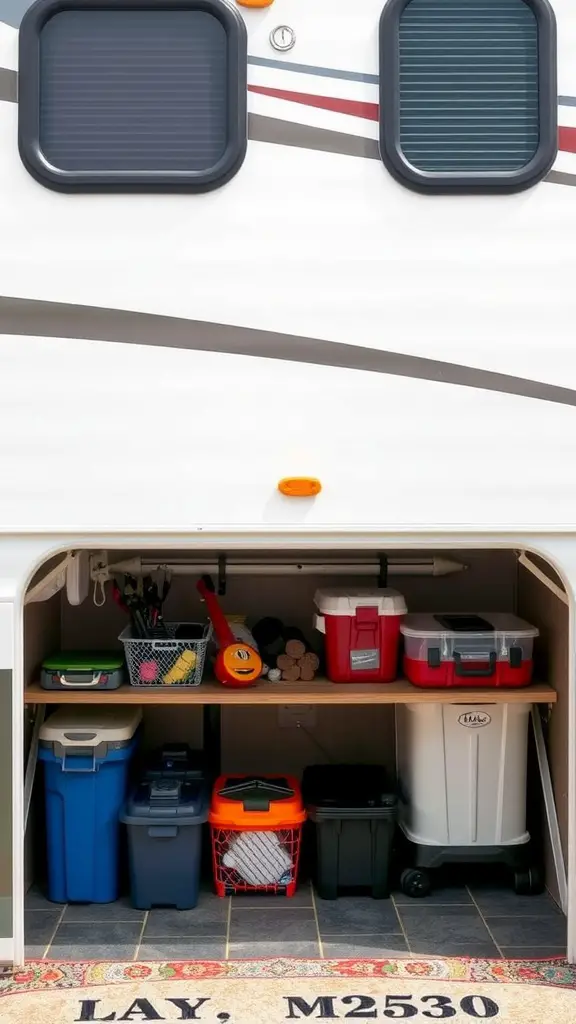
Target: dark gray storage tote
<point>354,814</point>
<point>164,817</point>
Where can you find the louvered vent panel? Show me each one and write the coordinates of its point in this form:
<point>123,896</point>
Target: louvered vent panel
<point>133,90</point>
<point>468,85</point>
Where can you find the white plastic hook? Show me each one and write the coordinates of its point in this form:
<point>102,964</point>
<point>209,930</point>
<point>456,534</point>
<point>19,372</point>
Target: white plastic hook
<point>99,593</point>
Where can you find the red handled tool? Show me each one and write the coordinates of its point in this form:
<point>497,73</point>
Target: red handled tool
<point>237,664</point>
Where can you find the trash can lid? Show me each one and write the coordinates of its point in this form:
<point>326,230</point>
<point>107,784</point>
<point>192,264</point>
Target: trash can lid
<point>167,801</point>
<point>175,759</point>
<point>107,723</point>
<point>347,786</point>
<point>256,801</point>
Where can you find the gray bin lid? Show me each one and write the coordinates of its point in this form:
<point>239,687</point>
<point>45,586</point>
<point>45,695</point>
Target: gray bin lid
<point>167,801</point>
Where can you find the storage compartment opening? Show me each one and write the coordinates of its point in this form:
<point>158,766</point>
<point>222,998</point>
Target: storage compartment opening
<point>284,727</point>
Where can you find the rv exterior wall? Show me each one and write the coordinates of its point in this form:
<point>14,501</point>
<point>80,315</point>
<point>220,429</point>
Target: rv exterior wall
<point>166,359</point>
<point>311,317</point>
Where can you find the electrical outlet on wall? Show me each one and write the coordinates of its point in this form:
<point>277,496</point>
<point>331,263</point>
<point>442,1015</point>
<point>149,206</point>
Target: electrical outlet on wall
<point>294,716</point>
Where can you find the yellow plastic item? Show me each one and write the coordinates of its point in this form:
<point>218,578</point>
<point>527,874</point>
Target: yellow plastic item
<point>255,3</point>
<point>181,669</point>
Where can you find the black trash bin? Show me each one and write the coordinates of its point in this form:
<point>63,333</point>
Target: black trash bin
<point>354,815</point>
<point>174,760</point>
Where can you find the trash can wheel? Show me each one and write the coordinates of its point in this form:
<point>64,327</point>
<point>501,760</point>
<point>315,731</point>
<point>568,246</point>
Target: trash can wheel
<point>528,882</point>
<point>415,882</point>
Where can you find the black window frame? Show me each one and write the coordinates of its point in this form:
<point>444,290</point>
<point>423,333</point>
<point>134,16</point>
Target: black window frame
<point>454,182</point>
<point>29,87</point>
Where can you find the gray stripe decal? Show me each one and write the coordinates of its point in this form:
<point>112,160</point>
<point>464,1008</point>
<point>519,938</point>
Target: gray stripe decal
<point>561,178</point>
<point>13,11</point>
<point>8,85</point>
<point>303,136</point>
<point>33,317</point>
<point>311,69</point>
<point>290,133</point>
<point>567,101</point>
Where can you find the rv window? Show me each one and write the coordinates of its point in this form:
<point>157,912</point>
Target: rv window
<point>468,97</point>
<point>132,94</point>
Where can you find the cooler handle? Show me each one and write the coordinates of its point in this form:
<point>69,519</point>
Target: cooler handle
<point>320,623</point>
<point>163,831</point>
<point>460,670</point>
<point>93,682</point>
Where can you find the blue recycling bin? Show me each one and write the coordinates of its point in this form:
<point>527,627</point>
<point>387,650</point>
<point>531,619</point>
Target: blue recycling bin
<point>86,752</point>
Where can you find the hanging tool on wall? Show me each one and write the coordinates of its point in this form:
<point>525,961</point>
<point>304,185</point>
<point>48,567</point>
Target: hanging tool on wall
<point>142,599</point>
<point>237,664</point>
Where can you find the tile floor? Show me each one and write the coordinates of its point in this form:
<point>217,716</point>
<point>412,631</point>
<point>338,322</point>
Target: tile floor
<point>480,920</point>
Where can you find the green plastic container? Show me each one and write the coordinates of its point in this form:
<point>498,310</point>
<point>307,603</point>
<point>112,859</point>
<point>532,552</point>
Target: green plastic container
<point>83,670</point>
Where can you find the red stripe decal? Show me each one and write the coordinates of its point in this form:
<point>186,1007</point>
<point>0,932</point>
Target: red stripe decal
<point>369,111</point>
<point>567,140</point>
<point>355,107</point>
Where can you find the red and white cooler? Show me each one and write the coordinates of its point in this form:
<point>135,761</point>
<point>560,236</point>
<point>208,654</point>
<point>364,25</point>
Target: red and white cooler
<point>362,629</point>
<point>464,650</point>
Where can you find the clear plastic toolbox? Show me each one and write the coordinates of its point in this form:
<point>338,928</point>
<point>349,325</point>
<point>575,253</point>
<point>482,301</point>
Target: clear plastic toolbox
<point>488,649</point>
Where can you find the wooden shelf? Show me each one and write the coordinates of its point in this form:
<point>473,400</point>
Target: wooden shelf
<point>321,691</point>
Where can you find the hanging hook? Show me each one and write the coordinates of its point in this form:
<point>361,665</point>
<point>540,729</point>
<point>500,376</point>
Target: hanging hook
<point>221,575</point>
<point>383,572</point>
<point>99,593</point>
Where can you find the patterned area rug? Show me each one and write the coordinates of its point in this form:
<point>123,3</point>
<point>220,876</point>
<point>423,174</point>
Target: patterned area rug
<point>274,991</point>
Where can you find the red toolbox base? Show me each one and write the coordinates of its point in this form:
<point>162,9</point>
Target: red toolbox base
<point>504,676</point>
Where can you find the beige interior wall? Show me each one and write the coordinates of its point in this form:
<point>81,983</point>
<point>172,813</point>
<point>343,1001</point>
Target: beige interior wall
<point>539,605</point>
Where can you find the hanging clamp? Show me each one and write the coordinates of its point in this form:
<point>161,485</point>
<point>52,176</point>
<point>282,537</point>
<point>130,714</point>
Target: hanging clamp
<point>383,572</point>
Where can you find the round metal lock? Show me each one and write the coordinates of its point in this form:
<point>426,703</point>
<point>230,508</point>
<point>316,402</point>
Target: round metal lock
<point>282,37</point>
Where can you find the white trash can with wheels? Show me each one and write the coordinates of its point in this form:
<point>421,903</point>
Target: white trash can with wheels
<point>462,774</point>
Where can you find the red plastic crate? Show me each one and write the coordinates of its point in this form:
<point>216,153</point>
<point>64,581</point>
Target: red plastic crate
<point>256,825</point>
<point>255,860</point>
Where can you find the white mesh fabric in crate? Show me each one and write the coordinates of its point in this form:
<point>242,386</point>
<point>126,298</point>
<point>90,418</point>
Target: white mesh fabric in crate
<point>259,858</point>
<point>166,661</point>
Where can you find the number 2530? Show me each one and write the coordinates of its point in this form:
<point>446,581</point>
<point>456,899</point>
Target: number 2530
<point>393,1007</point>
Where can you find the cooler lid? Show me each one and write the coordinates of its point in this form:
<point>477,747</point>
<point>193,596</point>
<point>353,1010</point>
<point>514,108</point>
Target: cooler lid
<point>84,661</point>
<point>457,624</point>
<point>345,600</point>
<point>167,800</point>
<point>347,786</point>
<point>248,800</point>
<point>108,723</point>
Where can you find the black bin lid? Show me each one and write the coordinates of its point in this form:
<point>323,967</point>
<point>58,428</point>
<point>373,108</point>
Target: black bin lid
<point>175,759</point>
<point>347,786</point>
